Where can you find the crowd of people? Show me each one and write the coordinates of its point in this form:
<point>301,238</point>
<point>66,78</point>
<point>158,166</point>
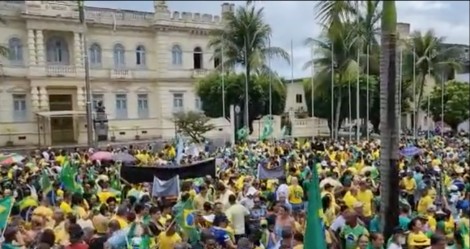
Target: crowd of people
<point>236,209</point>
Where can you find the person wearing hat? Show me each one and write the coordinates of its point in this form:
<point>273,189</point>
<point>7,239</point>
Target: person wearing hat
<point>416,238</point>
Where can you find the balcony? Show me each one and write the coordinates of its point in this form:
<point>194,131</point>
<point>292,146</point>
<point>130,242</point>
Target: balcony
<point>200,73</point>
<point>61,71</point>
<point>120,74</point>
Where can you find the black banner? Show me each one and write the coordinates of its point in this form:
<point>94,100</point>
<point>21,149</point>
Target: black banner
<point>135,174</point>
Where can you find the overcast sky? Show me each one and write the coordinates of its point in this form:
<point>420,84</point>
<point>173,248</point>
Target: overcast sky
<point>294,21</point>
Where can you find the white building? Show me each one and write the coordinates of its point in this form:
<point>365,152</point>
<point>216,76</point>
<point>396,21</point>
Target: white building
<point>143,67</point>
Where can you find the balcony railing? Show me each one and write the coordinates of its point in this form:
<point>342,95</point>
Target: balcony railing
<point>61,70</point>
<point>200,73</point>
<point>120,74</point>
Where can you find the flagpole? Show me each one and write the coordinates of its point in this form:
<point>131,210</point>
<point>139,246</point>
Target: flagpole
<point>358,119</point>
<point>414,94</point>
<point>428,117</point>
<point>400,79</point>
<point>350,111</point>
<point>367,93</point>
<point>223,81</point>
<point>333,126</point>
<point>89,112</point>
<point>270,84</point>
<point>292,61</point>
<point>442,105</point>
<point>247,116</point>
<point>312,92</point>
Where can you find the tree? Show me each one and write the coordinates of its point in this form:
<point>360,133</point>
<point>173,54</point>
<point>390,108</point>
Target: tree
<point>455,99</point>
<point>209,90</point>
<point>193,124</point>
<point>389,178</point>
<point>322,98</point>
<point>245,41</point>
<point>432,61</point>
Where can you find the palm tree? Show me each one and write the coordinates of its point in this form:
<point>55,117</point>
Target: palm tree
<point>432,62</point>
<point>335,48</point>
<point>389,180</point>
<point>245,40</point>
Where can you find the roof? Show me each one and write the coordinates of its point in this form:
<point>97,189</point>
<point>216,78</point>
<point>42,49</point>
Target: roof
<point>52,114</point>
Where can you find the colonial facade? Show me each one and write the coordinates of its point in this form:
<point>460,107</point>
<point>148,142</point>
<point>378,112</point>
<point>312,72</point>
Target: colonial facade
<point>143,66</point>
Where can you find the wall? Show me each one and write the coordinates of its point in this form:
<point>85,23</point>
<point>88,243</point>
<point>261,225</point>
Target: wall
<point>293,89</point>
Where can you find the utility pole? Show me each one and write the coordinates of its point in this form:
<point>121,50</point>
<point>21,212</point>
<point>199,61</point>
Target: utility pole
<point>89,112</point>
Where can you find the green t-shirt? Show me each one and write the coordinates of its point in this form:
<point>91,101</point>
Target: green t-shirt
<point>404,221</point>
<point>351,235</point>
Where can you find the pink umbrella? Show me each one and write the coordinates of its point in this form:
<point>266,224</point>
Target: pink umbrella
<point>102,156</point>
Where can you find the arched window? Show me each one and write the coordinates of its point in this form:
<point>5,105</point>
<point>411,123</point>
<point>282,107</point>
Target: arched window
<point>197,57</point>
<point>177,55</point>
<point>119,55</point>
<point>15,50</point>
<point>57,51</point>
<point>95,55</point>
<point>140,55</point>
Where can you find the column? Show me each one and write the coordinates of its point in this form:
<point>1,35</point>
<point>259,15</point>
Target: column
<point>40,47</point>
<point>35,98</point>
<point>32,47</point>
<point>43,99</point>
<point>80,98</point>
<point>77,48</point>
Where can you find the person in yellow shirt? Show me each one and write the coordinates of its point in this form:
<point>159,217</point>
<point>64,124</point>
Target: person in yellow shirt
<point>66,203</point>
<point>120,217</point>
<point>350,197</point>
<point>424,202</point>
<point>60,232</point>
<point>366,197</point>
<point>408,183</point>
<point>169,238</point>
<point>296,195</point>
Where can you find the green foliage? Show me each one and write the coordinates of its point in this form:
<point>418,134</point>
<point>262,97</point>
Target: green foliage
<point>209,90</point>
<point>193,124</point>
<point>456,100</point>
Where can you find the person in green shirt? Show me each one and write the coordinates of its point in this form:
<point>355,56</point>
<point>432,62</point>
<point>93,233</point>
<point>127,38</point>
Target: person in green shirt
<point>352,230</point>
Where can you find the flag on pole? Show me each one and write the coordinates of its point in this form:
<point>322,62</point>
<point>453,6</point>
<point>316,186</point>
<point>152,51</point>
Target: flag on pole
<point>5,210</point>
<point>242,133</point>
<point>267,128</point>
<point>67,178</point>
<point>170,187</point>
<point>314,232</point>
<point>45,183</point>
<point>179,148</point>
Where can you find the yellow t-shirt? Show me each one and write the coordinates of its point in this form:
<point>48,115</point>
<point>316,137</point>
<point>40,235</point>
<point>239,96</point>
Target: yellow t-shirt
<point>122,222</point>
<point>432,222</point>
<point>168,242</point>
<point>65,207</point>
<point>296,193</point>
<point>424,203</point>
<point>409,184</point>
<point>366,197</point>
<point>104,195</point>
<point>349,200</point>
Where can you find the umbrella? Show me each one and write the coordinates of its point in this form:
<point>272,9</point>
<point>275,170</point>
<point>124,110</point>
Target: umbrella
<point>331,181</point>
<point>410,151</point>
<point>102,156</point>
<point>13,158</point>
<point>125,158</point>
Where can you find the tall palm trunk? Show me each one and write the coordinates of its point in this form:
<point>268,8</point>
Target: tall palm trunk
<point>338,111</point>
<point>388,120</point>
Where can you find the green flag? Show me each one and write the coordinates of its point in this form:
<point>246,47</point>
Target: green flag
<point>267,128</point>
<point>185,218</point>
<point>45,183</point>
<point>314,232</point>
<point>67,178</point>
<point>242,134</point>
<point>5,208</point>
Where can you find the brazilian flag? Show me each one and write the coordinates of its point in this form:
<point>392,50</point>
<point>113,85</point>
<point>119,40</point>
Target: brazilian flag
<point>5,208</point>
